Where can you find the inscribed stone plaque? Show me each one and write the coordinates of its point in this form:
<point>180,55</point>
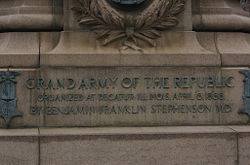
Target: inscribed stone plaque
<point>131,96</point>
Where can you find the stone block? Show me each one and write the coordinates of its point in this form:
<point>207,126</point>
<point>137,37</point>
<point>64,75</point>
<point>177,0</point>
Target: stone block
<point>221,22</point>
<point>19,147</point>
<point>81,49</point>
<point>234,48</point>
<point>207,40</point>
<point>243,143</point>
<point>24,15</point>
<point>222,15</point>
<point>146,146</point>
<point>25,99</point>
<point>19,49</point>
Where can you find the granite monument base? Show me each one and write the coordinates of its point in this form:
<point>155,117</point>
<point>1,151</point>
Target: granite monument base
<point>75,102</point>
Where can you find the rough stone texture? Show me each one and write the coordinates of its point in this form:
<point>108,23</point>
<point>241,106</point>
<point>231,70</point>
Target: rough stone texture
<point>70,24</point>
<point>244,147</point>
<point>19,147</point>
<point>234,48</point>
<point>185,145</point>
<point>222,15</point>
<point>19,49</point>
<point>218,148</point>
<point>22,15</point>
<point>81,49</point>
<point>25,101</point>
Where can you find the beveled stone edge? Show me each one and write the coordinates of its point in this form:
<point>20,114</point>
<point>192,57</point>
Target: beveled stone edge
<point>27,132</point>
<point>113,131</point>
<point>241,129</point>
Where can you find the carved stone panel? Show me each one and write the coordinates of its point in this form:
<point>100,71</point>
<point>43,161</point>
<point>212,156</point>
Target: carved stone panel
<point>129,96</point>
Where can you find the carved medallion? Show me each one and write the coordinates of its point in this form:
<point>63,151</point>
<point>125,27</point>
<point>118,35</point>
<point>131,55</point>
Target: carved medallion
<point>110,23</point>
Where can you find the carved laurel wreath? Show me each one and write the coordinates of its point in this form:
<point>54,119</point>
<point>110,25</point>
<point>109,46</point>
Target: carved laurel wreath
<point>110,24</point>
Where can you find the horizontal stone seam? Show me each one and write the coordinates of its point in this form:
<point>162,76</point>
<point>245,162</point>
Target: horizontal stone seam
<point>110,135</point>
<point>163,134</point>
<point>122,134</point>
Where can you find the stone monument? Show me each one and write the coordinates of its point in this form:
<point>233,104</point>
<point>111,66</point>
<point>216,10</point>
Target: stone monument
<point>125,82</point>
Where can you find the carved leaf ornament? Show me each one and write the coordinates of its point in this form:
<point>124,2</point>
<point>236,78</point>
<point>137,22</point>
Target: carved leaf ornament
<point>111,24</point>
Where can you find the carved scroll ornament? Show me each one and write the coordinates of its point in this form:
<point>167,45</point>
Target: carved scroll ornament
<point>111,24</point>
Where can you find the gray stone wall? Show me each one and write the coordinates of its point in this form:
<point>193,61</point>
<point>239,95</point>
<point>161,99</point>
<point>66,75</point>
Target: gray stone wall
<point>62,68</point>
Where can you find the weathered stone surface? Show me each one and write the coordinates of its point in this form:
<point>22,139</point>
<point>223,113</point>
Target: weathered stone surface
<point>25,100</point>
<point>243,143</point>
<point>207,41</point>
<point>89,109</point>
<point>161,117</point>
<point>19,147</point>
<point>217,145</point>
<point>223,15</point>
<point>19,49</point>
<point>220,103</point>
<point>23,15</point>
<point>87,96</point>
<point>139,146</point>
<point>234,48</point>
<point>220,22</point>
<point>81,49</point>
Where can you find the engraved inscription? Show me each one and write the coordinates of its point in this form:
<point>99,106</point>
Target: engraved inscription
<point>130,95</point>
